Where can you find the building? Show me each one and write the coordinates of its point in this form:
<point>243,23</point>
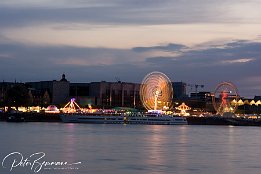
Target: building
<point>201,100</point>
<point>256,98</point>
<point>115,94</point>
<point>58,90</point>
<point>179,90</point>
<point>80,91</point>
<point>202,96</point>
<point>106,94</point>
<point>111,94</point>
<point>39,98</point>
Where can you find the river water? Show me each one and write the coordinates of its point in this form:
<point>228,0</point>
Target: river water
<point>127,149</point>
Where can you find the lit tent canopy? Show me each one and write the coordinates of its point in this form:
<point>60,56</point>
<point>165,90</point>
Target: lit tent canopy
<point>240,102</point>
<point>234,102</point>
<point>245,102</point>
<point>252,102</point>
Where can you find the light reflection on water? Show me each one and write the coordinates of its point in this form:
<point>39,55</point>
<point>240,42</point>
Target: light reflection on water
<point>144,149</point>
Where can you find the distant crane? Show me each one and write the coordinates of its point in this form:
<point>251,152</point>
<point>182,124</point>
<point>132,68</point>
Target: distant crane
<point>117,79</point>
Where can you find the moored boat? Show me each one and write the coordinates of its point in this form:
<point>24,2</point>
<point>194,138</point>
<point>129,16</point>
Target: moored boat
<point>124,119</point>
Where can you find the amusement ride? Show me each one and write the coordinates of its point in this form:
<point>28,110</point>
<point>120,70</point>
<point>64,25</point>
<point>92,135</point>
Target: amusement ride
<point>156,92</point>
<point>224,98</point>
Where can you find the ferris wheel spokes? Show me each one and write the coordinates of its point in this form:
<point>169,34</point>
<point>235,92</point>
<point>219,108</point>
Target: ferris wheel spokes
<point>156,91</point>
<point>225,93</point>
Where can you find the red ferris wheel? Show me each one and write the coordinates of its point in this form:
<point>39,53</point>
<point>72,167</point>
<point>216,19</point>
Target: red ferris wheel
<point>225,93</point>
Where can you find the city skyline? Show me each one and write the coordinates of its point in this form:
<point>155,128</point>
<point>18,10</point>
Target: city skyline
<point>203,42</point>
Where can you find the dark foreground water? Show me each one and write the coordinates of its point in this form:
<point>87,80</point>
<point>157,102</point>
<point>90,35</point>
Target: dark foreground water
<point>127,149</point>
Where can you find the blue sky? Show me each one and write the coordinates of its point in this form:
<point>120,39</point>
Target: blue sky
<point>198,42</point>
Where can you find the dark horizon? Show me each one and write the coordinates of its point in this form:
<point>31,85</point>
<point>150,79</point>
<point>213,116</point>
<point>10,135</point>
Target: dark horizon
<point>190,88</point>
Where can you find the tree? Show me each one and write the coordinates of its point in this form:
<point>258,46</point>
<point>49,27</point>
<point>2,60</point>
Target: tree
<point>17,95</point>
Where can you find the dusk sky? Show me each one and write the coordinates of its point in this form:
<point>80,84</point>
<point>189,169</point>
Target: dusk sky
<point>194,41</point>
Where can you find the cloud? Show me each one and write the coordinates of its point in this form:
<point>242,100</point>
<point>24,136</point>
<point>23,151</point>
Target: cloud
<point>5,56</point>
<point>160,60</point>
<point>118,12</point>
<point>242,60</point>
<point>235,61</point>
<point>169,48</point>
<point>212,65</point>
<point>45,62</point>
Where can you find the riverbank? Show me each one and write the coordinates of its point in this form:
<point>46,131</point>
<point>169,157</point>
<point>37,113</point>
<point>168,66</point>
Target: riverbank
<point>222,121</point>
<point>31,117</point>
<point>45,117</point>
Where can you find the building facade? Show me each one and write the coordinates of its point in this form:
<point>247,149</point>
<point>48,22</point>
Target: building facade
<point>80,91</point>
<point>112,94</point>
<point>179,90</point>
<point>58,90</point>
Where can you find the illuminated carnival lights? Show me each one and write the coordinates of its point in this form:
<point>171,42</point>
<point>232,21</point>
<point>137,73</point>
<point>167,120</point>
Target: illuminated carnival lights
<point>156,91</point>
<point>71,107</point>
<point>52,109</point>
<point>183,108</point>
<point>225,98</point>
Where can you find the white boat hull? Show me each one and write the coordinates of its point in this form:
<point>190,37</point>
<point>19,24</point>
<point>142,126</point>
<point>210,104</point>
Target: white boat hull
<point>161,120</point>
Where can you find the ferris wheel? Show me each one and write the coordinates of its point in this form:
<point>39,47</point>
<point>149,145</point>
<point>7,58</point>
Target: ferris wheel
<point>225,93</point>
<point>156,91</point>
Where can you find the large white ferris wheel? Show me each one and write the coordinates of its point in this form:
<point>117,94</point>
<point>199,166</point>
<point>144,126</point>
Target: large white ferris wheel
<point>156,91</point>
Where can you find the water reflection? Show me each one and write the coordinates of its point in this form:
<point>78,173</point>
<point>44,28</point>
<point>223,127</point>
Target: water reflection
<point>69,142</point>
<point>138,149</point>
<point>182,154</point>
<point>155,152</point>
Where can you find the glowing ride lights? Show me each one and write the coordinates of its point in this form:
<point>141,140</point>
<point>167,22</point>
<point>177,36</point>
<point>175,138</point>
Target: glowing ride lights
<point>156,99</point>
<point>156,91</point>
<point>71,107</point>
<point>52,109</point>
<point>183,108</point>
<point>225,98</point>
